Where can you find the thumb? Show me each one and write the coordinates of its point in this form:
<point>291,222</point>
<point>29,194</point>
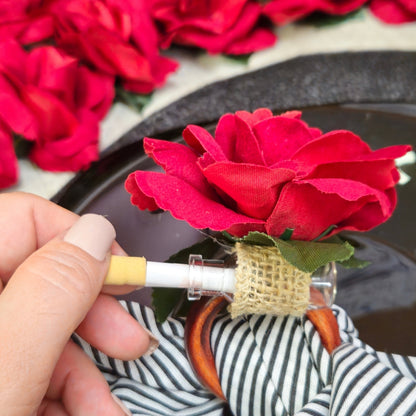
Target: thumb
<point>45,300</point>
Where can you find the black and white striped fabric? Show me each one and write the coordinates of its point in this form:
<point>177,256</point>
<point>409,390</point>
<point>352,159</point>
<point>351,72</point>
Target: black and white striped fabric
<point>267,366</point>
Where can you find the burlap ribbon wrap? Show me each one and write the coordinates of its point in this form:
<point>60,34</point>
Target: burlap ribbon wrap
<point>267,284</point>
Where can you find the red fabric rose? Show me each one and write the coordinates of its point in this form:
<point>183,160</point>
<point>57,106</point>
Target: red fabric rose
<point>268,173</point>
<point>116,37</point>
<point>394,11</point>
<point>48,98</point>
<point>25,20</point>
<point>229,27</point>
<point>8,160</point>
<point>281,12</point>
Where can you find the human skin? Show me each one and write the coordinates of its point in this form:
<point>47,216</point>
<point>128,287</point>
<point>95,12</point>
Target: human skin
<point>51,285</point>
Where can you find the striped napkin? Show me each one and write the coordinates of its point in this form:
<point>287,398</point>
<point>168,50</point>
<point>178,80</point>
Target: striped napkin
<point>267,365</point>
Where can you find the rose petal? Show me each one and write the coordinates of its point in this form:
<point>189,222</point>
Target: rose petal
<point>282,12</point>
<point>369,216</point>
<point>53,117</point>
<point>8,160</point>
<point>292,114</point>
<point>161,67</point>
<point>13,59</point>
<point>145,37</point>
<point>17,116</point>
<point>335,146</point>
<point>94,92</point>
<point>280,137</point>
<point>310,207</point>
<point>340,7</point>
<point>138,198</point>
<point>225,135</point>
<point>54,71</point>
<point>71,152</point>
<point>257,40</point>
<point>107,52</point>
<point>393,11</point>
<point>255,189</point>
<point>240,230</point>
<point>350,190</point>
<point>189,33</point>
<point>247,148</point>
<point>180,161</point>
<point>379,174</point>
<point>215,16</point>
<point>390,152</point>
<point>285,11</point>
<point>256,116</point>
<point>200,140</point>
<point>226,130</point>
<point>376,169</point>
<point>187,203</point>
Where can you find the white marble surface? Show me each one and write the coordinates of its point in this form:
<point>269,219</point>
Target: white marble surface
<point>363,33</point>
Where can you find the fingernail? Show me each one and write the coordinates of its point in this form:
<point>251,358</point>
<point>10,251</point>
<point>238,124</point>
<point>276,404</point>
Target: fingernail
<point>121,405</point>
<point>92,233</point>
<point>153,344</point>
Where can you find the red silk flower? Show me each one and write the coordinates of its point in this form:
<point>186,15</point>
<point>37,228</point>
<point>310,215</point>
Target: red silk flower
<point>116,37</point>
<point>285,11</point>
<point>394,11</point>
<point>48,98</point>
<point>268,173</point>
<point>8,160</point>
<point>229,27</point>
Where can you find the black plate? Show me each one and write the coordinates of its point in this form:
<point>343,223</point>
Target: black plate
<point>373,95</point>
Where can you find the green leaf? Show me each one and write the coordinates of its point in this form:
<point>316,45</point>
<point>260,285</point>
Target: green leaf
<point>165,301</point>
<point>22,147</point>
<point>255,237</point>
<point>287,234</point>
<point>240,59</point>
<point>323,20</point>
<point>354,263</point>
<point>326,232</point>
<point>133,100</point>
<point>168,300</point>
<point>207,248</point>
<point>229,238</point>
<point>309,256</point>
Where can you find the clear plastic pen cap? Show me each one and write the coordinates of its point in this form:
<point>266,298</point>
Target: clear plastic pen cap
<point>323,288</point>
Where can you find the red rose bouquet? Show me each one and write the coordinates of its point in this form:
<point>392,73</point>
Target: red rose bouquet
<point>264,177</point>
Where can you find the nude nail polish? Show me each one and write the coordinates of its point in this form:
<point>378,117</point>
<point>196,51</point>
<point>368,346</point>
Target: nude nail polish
<point>92,233</point>
<point>121,405</point>
<point>153,344</point>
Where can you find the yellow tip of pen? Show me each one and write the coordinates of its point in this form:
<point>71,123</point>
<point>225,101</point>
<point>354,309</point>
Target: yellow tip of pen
<point>126,270</point>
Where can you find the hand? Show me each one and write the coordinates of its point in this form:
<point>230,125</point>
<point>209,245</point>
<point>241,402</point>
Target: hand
<point>52,267</point>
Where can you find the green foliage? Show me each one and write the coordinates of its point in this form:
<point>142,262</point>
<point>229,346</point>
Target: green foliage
<point>133,100</point>
<point>240,59</point>
<point>323,20</point>
<point>307,256</point>
<point>22,147</point>
<point>167,301</point>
